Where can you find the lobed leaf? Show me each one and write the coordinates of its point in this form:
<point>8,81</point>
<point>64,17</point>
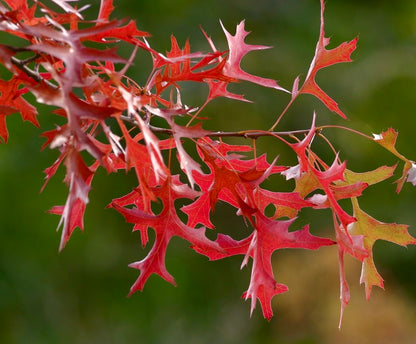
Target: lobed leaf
<point>374,230</point>
<point>324,58</point>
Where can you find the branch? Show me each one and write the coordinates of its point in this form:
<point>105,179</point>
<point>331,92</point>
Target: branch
<point>22,65</point>
<point>253,134</point>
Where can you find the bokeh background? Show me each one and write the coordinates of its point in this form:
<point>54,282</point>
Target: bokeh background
<point>79,295</point>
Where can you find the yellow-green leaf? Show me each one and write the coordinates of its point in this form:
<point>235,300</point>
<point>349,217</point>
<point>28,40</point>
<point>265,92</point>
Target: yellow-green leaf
<point>370,177</point>
<point>374,230</point>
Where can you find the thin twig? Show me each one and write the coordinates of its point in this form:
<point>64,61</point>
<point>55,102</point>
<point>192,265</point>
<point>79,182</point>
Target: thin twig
<point>22,65</point>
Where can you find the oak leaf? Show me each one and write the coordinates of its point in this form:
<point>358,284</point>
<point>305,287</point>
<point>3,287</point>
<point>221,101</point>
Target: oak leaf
<point>237,50</point>
<point>374,230</point>
<point>166,225</point>
<point>268,236</point>
<point>387,139</point>
<point>324,58</point>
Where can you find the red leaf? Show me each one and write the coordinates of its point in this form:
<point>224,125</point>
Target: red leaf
<point>318,179</point>
<point>78,177</point>
<point>11,101</point>
<point>229,183</point>
<point>152,142</point>
<point>231,179</point>
<point>106,8</point>
<point>324,58</point>
<point>67,46</point>
<point>326,178</point>
<point>5,56</point>
<point>219,89</point>
<point>199,211</point>
<point>166,225</point>
<point>281,201</point>
<point>177,66</point>
<point>140,201</point>
<point>128,33</point>
<point>187,163</point>
<point>269,236</point>
<point>75,218</point>
<point>237,50</point>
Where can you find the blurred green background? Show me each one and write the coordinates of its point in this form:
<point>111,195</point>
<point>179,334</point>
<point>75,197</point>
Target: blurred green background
<point>79,295</point>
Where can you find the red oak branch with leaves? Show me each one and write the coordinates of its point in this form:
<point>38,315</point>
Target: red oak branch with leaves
<point>72,64</point>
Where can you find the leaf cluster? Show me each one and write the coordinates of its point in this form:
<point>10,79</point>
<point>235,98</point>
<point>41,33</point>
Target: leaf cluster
<point>73,64</point>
